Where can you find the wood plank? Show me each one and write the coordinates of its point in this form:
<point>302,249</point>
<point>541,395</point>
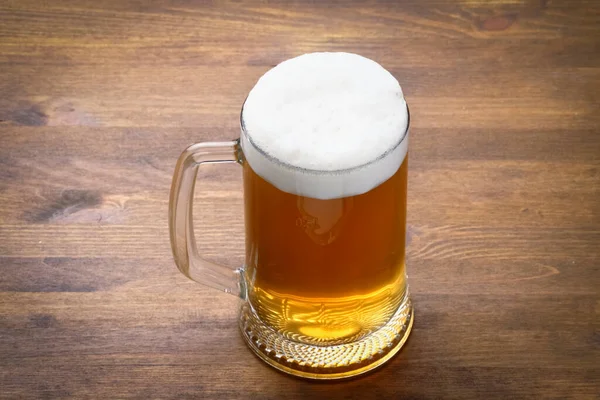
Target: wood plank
<point>204,95</point>
<point>537,19</point>
<point>163,337</point>
<point>395,53</point>
<point>100,193</point>
<point>496,322</point>
<point>186,376</point>
<point>518,278</point>
<point>462,243</point>
<point>228,84</point>
<point>161,147</point>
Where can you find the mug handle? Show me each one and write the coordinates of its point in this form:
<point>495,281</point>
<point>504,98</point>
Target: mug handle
<point>183,241</point>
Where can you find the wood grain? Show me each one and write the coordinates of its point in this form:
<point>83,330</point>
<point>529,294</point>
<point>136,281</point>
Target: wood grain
<point>98,98</point>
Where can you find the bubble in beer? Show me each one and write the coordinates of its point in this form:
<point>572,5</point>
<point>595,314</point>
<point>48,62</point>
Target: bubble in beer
<point>325,125</point>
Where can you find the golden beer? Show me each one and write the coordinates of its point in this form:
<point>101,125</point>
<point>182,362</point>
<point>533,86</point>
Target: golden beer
<point>325,271</point>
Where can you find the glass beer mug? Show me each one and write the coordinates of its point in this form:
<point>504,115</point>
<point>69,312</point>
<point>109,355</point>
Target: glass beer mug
<point>323,148</point>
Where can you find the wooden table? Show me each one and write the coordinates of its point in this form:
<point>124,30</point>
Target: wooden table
<point>98,98</point>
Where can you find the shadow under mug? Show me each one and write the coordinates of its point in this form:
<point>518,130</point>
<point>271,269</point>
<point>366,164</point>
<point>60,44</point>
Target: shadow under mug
<point>323,285</point>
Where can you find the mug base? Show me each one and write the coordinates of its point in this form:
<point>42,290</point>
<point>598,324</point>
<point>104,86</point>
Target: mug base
<point>327,362</point>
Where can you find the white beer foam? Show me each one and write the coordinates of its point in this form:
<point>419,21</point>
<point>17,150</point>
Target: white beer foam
<point>325,125</point>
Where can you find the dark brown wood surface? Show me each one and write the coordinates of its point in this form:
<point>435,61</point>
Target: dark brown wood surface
<point>99,97</point>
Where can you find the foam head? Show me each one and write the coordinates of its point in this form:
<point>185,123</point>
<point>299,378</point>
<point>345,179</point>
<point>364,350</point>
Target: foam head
<point>325,125</point>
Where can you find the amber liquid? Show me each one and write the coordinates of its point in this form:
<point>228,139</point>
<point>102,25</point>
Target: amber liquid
<point>325,271</point>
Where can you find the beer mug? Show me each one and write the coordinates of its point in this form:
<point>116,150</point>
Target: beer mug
<point>323,148</point>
